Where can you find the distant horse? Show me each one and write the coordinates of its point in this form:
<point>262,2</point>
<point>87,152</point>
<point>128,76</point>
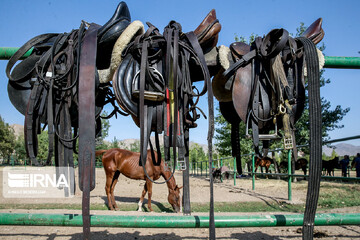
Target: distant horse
<point>299,164</point>
<point>263,162</point>
<point>117,161</point>
<point>329,166</point>
<point>218,172</point>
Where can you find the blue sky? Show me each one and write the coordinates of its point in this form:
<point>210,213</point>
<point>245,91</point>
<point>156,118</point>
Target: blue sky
<point>22,20</point>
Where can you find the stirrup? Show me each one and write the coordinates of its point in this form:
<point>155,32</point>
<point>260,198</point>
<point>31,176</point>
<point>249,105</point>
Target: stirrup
<point>151,96</point>
<point>274,136</point>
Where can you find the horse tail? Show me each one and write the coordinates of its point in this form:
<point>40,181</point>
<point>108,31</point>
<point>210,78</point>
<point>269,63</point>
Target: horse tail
<point>99,152</point>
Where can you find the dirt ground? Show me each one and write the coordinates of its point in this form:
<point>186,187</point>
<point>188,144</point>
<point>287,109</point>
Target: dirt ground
<point>128,192</point>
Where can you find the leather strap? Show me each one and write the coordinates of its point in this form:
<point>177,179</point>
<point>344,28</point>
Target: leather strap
<point>87,122</point>
<point>315,136</point>
<point>18,54</point>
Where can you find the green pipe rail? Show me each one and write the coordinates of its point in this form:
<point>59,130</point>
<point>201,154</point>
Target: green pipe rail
<point>322,219</point>
<point>7,52</point>
<point>342,62</point>
<point>330,62</point>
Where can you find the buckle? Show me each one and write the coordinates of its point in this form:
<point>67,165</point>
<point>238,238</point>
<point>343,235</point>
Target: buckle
<point>181,165</point>
<point>288,143</point>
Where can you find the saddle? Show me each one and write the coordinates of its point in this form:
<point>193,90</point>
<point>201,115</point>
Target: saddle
<point>265,83</point>
<point>44,86</point>
<point>154,82</point>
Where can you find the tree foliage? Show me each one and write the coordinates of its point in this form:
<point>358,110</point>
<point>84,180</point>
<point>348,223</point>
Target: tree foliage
<point>7,139</point>
<point>197,154</point>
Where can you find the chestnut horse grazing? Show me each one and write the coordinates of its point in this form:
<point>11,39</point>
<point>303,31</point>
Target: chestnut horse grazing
<point>263,162</point>
<point>118,161</point>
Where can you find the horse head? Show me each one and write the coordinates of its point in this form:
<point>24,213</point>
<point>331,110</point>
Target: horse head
<point>174,198</point>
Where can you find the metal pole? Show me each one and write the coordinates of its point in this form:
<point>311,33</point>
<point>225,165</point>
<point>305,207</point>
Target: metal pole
<point>7,52</point>
<point>342,62</point>
<point>289,176</point>
<point>234,171</point>
<point>176,221</point>
<point>206,170</point>
<point>221,164</point>
<point>330,61</point>
<point>186,177</point>
<point>253,172</point>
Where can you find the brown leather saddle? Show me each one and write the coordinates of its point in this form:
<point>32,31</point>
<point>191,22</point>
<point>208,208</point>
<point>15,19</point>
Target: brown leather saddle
<point>265,84</point>
<point>154,82</point>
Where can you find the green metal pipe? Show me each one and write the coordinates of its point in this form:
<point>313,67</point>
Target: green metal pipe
<point>7,52</point>
<point>289,177</point>
<point>176,221</point>
<point>235,171</point>
<point>253,171</point>
<point>330,62</point>
<point>342,62</point>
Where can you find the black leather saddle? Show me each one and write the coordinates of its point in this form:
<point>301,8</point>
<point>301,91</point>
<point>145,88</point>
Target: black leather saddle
<point>44,86</point>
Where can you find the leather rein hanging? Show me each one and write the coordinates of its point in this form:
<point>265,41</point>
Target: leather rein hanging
<point>175,49</point>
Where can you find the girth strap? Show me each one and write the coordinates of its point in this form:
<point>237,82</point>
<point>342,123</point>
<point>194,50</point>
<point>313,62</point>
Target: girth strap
<point>315,120</point>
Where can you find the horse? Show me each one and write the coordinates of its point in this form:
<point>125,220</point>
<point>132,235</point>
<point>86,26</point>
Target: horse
<point>329,166</point>
<point>263,162</point>
<point>299,164</point>
<point>218,172</point>
<point>117,161</point>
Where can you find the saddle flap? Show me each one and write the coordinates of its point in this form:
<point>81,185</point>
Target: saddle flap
<point>123,84</point>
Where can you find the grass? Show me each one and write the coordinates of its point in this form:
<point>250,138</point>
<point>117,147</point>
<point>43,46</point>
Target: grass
<point>339,195</point>
<point>332,195</point>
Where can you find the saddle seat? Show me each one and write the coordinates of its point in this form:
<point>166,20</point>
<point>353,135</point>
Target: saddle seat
<point>315,32</point>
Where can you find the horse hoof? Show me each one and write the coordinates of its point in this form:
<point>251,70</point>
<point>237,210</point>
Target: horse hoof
<point>117,209</point>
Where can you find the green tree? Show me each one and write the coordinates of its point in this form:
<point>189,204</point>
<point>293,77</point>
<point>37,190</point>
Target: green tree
<point>43,147</point>
<point>223,139</point>
<point>197,154</point>
<point>7,140</point>
<point>114,143</point>
<point>105,126</point>
<point>20,152</point>
<point>135,146</point>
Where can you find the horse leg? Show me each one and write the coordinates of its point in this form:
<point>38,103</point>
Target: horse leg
<point>142,198</point>
<point>149,187</point>
<point>304,169</point>
<point>267,171</point>
<point>115,180</point>
<point>109,180</point>
<point>255,172</point>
